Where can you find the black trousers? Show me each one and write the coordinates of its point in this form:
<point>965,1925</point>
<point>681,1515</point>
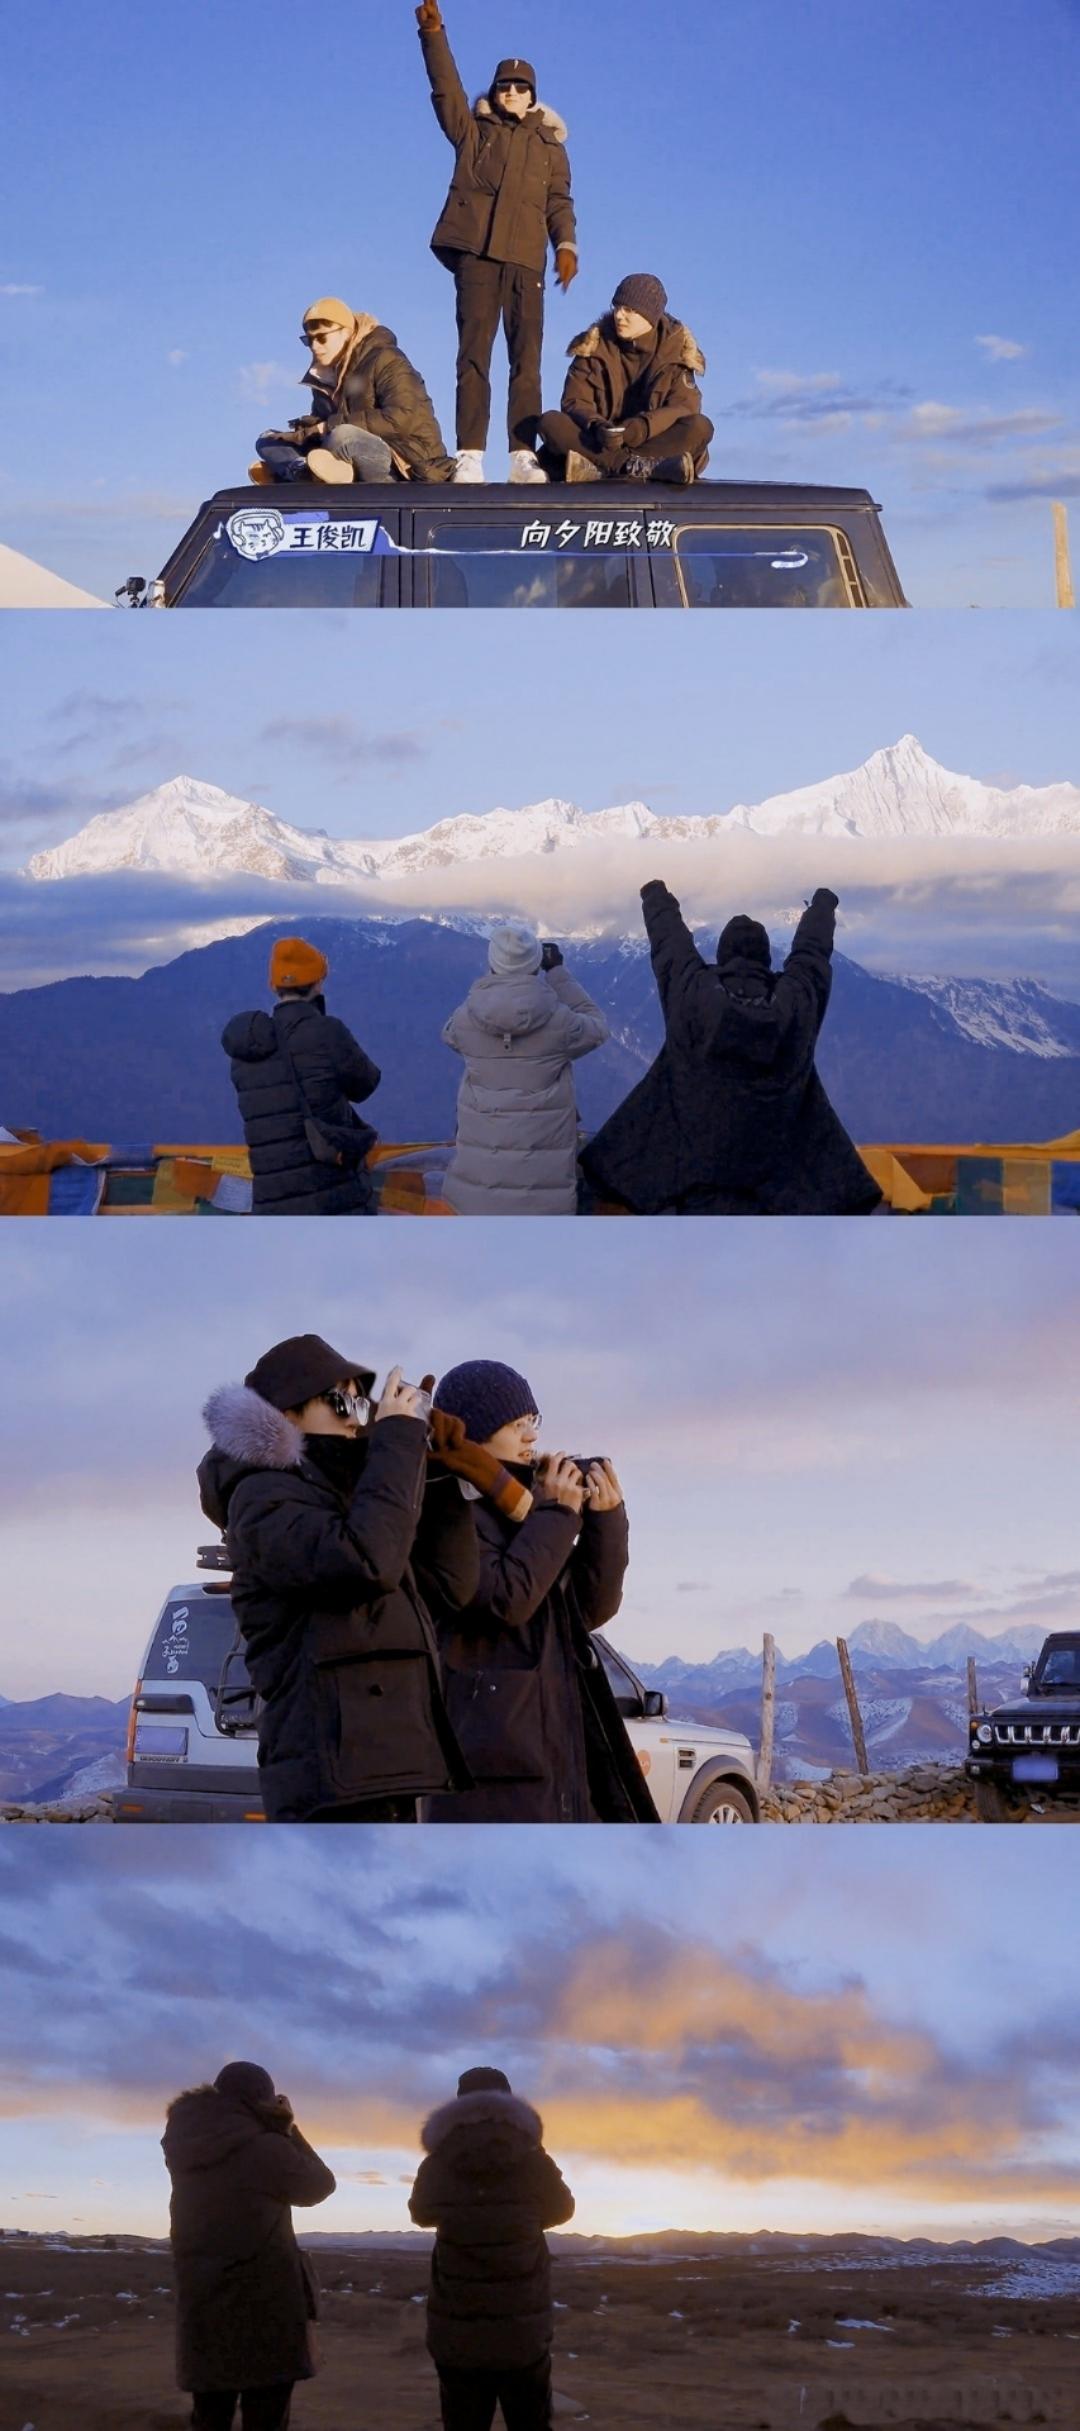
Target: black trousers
<point>260,2409</point>
<point>690,437</point>
<point>469,2399</point>
<point>366,1810</point>
<point>486,293</point>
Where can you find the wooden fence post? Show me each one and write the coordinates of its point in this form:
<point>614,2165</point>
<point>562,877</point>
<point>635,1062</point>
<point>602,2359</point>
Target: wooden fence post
<point>973,1686</point>
<point>1063,581</point>
<point>768,1710</point>
<point>848,1677</point>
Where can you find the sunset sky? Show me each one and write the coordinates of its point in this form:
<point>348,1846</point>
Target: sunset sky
<point>815,1424</point>
<point>781,2043</point>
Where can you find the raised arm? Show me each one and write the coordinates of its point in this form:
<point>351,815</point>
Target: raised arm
<point>449,98</point>
<point>516,1576</point>
<point>276,1531</point>
<point>807,973</point>
<point>357,1075</point>
<point>675,957</point>
<point>586,1027</point>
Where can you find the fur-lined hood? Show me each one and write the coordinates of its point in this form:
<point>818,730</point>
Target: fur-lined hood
<point>490,2109</point>
<point>603,333</point>
<point>552,127</point>
<point>251,1431</point>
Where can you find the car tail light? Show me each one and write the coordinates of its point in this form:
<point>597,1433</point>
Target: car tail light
<point>129,1752</point>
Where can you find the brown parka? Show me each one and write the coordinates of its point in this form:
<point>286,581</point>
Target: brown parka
<point>510,192</point>
<point>607,382</point>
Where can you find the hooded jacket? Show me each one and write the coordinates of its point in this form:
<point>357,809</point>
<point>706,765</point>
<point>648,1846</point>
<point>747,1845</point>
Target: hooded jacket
<point>489,2190</point>
<point>510,191</point>
<point>334,1075</point>
<point>245,2294</point>
<point>517,1124</point>
<point>337,1636</point>
<point>608,382</point>
<point>528,1696</point>
<point>732,1118</point>
<point>379,390</point>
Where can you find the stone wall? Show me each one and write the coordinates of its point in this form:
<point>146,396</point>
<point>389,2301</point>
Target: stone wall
<point>76,1810</point>
<point>921,1793</point>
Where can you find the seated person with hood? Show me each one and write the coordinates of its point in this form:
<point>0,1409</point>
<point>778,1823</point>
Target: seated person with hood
<point>489,2190</point>
<point>732,1118</point>
<point>298,1073</point>
<point>528,1696</point>
<point>631,406</point>
<point>520,1029</point>
<point>339,1527</point>
<point>246,2295</point>
<point>371,419</point>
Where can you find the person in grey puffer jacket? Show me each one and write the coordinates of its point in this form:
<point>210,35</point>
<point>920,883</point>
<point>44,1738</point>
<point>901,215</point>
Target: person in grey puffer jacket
<point>519,1030</point>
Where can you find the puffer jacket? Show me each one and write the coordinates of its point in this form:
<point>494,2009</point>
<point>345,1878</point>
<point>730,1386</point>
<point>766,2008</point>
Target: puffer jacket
<point>380,391</point>
<point>330,1594</point>
<point>245,2294</point>
<point>517,1125</point>
<point>334,1074</point>
<point>607,382</point>
<point>510,191</point>
<point>489,2190</point>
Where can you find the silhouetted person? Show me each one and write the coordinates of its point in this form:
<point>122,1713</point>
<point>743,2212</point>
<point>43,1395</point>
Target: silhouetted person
<point>298,1074</point>
<point>732,1118</point>
<point>245,2294</point>
<point>489,2190</point>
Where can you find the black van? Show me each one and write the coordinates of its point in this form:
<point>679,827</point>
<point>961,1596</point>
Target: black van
<point>718,544</point>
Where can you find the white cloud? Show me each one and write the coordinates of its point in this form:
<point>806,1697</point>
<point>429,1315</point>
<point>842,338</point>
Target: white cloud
<point>176,355</point>
<point>933,421</point>
<point>1002,350</point>
<point>260,381</point>
<point>796,383</point>
<point>18,287</point>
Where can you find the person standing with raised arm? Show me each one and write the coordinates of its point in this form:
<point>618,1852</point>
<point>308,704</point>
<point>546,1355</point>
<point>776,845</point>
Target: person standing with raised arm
<point>509,198</point>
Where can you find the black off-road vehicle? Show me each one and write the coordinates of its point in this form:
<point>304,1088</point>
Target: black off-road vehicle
<point>1030,1749</point>
<point>618,544</point>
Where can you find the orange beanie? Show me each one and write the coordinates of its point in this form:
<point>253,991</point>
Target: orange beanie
<point>295,964</point>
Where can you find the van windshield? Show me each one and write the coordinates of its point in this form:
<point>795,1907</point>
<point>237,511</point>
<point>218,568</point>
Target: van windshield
<point>742,566</point>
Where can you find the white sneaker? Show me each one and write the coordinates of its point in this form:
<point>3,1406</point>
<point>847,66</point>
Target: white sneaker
<point>469,465</point>
<point>524,465</point>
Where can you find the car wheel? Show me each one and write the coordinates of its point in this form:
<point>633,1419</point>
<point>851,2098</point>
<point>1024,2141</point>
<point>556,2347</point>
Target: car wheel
<point>991,1803</point>
<point>722,1803</point>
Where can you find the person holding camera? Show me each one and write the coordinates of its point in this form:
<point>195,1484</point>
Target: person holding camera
<point>246,2296</point>
<point>341,1528</point>
<point>489,2190</point>
<point>509,198</point>
<point>371,417</point>
<point>298,1073</point>
<point>732,1117</point>
<point>520,1030</point>
<point>631,405</point>
<point>529,1699</point>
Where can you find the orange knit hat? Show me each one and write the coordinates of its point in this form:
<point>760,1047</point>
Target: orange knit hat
<point>295,964</point>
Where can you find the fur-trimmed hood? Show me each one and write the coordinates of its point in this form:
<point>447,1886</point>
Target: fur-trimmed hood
<point>603,333</point>
<point>251,1431</point>
<point>552,126</point>
<point>504,2111</point>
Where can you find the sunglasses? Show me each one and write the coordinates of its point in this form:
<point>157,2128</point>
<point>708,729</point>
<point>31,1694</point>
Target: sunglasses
<point>348,1405</point>
<point>513,85</point>
<point>317,329</point>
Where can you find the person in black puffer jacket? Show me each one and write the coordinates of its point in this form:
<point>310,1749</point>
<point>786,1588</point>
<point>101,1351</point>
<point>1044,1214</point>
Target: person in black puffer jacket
<point>338,1533</point>
<point>371,418</point>
<point>527,1694</point>
<point>298,1074</point>
<point>733,1118</point>
<point>489,2190</point>
<point>245,2294</point>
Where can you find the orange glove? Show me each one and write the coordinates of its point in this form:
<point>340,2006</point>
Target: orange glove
<point>566,263</point>
<point>451,1446</point>
<point>429,17</point>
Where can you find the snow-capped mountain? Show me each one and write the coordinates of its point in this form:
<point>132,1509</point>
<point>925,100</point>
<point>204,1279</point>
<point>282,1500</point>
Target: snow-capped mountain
<point>1014,1013</point>
<point>194,830</point>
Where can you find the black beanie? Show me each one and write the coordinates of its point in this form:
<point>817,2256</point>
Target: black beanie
<point>298,1370</point>
<point>642,293</point>
<point>744,940</point>
<point>484,2080</point>
<point>245,2081</point>
<point>486,1395</point>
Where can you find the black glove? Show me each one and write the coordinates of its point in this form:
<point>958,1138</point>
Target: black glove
<point>550,955</point>
<point>824,894</point>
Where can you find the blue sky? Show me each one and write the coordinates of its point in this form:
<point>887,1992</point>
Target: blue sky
<point>346,727</point>
<point>785,2042</point>
<point>868,215</point>
<point>814,1424</point>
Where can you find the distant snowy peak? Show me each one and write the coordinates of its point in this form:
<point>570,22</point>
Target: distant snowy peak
<point>1014,1013</point>
<point>191,829</point>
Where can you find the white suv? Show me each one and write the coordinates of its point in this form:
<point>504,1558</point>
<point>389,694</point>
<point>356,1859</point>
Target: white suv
<point>191,1754</point>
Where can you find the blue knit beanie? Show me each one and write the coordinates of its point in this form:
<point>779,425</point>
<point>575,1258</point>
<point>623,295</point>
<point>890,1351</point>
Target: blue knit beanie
<point>486,1395</point>
<point>642,293</point>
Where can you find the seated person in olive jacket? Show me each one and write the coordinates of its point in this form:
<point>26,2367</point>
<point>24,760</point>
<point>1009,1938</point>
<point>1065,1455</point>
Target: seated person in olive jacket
<point>245,2293</point>
<point>298,1074</point>
<point>371,418</point>
<point>631,406</point>
<point>732,1118</point>
<point>340,1530</point>
<point>528,1697</point>
<point>509,199</point>
<point>489,2190</point>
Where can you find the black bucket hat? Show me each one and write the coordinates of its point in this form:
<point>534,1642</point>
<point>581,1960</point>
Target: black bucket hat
<point>297,1371</point>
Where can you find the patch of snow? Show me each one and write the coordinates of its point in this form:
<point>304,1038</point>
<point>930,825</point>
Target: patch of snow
<point>849,2324</point>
